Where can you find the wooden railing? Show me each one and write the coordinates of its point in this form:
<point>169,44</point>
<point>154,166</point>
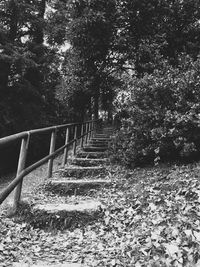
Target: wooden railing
<point>79,131</point>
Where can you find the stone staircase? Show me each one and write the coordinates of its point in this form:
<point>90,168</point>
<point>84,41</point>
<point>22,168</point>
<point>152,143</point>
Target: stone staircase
<point>66,193</point>
<point>67,200</point>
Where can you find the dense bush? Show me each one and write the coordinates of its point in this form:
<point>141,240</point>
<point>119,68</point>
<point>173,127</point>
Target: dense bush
<point>164,115</point>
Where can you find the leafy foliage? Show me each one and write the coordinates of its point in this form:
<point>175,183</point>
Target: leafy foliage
<point>90,33</point>
<point>163,115</point>
<point>28,74</point>
<point>106,38</point>
<point>151,218</point>
<point>41,84</point>
<point>167,27</point>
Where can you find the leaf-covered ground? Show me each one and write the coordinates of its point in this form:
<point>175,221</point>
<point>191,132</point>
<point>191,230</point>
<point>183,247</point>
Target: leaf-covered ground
<point>151,218</point>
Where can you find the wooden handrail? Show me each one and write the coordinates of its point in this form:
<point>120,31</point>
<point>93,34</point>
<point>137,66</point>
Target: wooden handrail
<point>86,131</point>
<point>17,136</point>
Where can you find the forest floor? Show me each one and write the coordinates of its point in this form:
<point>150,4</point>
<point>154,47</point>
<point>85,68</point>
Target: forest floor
<point>31,181</point>
<point>151,218</point>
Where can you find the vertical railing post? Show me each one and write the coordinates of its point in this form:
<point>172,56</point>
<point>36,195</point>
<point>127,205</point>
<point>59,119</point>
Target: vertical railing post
<point>90,129</point>
<point>75,140</point>
<point>97,128</point>
<point>51,150</point>
<point>65,154</point>
<point>87,132</point>
<point>21,166</point>
<point>82,133</point>
<point>93,128</point>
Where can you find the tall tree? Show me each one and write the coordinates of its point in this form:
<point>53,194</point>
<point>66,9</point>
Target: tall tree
<point>90,32</point>
<point>148,29</point>
<point>26,66</point>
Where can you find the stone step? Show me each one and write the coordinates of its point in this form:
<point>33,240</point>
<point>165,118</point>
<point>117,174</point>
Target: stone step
<point>66,187</point>
<point>98,133</point>
<point>105,130</point>
<point>106,133</point>
<point>47,264</point>
<point>91,155</point>
<point>101,139</point>
<point>80,182</point>
<point>62,216</point>
<point>89,162</point>
<point>94,149</point>
<point>101,136</point>
<point>87,206</point>
<point>79,172</point>
<point>98,144</point>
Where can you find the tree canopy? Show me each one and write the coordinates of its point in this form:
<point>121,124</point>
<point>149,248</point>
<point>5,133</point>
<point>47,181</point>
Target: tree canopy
<point>27,67</point>
<point>106,40</point>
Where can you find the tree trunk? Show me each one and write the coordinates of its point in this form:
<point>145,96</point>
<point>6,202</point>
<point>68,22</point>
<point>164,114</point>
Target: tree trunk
<point>12,34</point>
<point>13,21</point>
<point>4,73</point>
<point>96,107</point>
<point>38,36</point>
<point>110,116</point>
<point>34,74</point>
<point>89,110</point>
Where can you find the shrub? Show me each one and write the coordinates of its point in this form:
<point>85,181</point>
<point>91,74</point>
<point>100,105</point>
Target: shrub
<point>164,115</point>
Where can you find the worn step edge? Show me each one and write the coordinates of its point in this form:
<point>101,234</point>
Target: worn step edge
<point>81,171</point>
<point>80,182</point>
<point>84,206</point>
<point>101,142</point>
<point>101,139</point>
<point>96,143</point>
<point>93,143</point>
<point>91,152</point>
<point>98,149</point>
<point>91,160</point>
<point>101,136</point>
<point>88,160</point>
<point>95,148</point>
<point>80,168</point>
<point>106,138</point>
<point>43,264</point>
